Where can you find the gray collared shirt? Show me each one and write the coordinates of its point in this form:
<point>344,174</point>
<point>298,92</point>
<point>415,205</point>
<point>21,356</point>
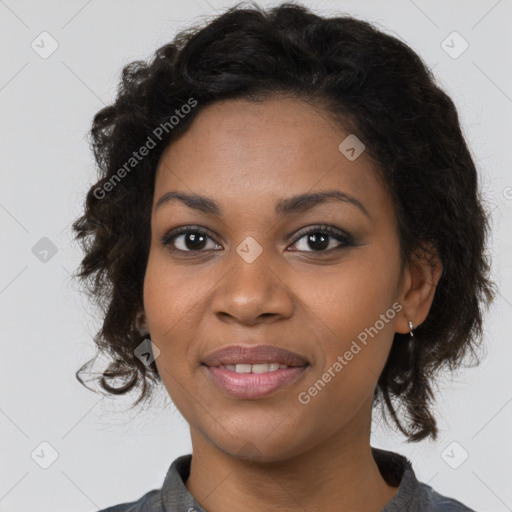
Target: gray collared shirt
<point>412,495</point>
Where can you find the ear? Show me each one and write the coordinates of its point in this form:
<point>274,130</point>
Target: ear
<point>140,322</point>
<point>418,287</point>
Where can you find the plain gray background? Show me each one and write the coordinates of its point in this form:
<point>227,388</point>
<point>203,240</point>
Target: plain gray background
<point>105,455</point>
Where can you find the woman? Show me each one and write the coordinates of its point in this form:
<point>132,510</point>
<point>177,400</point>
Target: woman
<point>287,232</point>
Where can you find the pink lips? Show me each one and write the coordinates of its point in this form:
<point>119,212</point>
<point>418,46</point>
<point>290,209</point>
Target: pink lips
<point>253,385</point>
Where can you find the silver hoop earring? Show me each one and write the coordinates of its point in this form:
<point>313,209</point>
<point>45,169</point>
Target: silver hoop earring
<point>411,327</point>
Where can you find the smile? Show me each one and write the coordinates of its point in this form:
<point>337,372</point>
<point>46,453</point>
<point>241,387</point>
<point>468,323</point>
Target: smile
<point>254,367</point>
<point>243,382</point>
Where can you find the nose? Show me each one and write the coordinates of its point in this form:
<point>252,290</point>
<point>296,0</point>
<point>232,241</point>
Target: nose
<point>253,292</point>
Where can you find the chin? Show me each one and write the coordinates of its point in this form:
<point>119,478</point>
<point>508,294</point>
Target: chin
<point>260,447</point>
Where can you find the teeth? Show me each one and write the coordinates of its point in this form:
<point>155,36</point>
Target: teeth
<point>254,368</point>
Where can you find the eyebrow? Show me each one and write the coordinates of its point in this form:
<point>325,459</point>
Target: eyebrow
<point>288,206</point>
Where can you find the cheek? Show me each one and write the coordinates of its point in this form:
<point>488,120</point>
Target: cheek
<point>176,302</point>
<point>171,295</point>
<point>169,307</point>
<point>345,299</point>
<point>171,318</point>
<point>351,311</point>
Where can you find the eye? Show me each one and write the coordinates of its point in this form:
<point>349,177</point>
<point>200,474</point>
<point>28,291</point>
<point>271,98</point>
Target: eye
<point>319,238</point>
<point>188,239</point>
<point>322,238</point>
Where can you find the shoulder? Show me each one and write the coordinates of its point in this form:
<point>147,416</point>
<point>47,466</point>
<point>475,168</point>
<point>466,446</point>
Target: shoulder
<point>412,495</point>
<point>429,499</point>
<point>150,502</point>
<point>173,494</point>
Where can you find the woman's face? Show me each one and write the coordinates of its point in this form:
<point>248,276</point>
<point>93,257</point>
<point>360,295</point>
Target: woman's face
<point>257,278</point>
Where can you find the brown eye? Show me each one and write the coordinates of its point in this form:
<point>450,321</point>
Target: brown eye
<point>324,239</point>
<point>189,239</point>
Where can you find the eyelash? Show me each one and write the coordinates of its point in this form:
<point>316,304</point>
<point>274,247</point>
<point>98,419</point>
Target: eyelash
<point>344,238</point>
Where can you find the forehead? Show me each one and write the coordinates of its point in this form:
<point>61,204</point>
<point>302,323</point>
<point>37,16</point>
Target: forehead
<point>241,151</point>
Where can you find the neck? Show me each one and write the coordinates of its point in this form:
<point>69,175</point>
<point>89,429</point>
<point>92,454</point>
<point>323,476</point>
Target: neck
<point>340,473</point>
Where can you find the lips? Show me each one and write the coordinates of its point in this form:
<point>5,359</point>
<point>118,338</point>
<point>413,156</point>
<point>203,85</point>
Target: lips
<point>255,354</point>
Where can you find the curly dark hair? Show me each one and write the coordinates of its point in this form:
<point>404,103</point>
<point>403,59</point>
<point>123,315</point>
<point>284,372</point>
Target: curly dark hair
<point>367,81</point>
